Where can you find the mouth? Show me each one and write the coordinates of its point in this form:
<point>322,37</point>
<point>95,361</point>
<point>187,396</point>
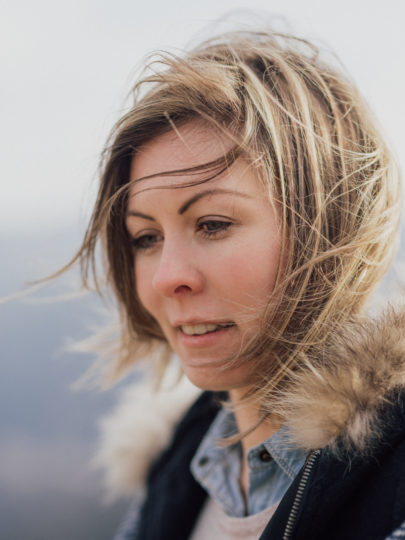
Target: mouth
<point>203,328</point>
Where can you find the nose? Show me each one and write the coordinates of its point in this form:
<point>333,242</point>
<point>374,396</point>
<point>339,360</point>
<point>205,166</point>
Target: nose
<point>177,273</point>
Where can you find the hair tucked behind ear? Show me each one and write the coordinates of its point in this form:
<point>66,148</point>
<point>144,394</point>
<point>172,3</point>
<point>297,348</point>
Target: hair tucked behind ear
<point>315,144</point>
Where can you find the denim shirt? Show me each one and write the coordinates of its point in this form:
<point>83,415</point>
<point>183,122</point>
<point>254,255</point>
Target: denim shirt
<point>218,468</point>
<point>273,465</point>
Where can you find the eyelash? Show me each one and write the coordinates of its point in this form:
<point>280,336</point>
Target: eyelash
<point>139,243</point>
<point>210,234</point>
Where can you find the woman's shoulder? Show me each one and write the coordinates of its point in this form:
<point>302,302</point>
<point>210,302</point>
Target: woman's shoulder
<point>167,469</point>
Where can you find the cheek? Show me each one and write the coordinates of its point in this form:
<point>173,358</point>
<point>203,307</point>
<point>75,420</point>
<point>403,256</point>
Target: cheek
<point>143,284</point>
<point>252,274</point>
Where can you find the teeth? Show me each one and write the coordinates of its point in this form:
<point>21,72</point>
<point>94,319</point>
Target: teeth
<point>199,329</point>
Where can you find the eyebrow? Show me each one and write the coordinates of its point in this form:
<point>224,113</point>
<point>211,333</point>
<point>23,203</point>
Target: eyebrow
<point>185,206</point>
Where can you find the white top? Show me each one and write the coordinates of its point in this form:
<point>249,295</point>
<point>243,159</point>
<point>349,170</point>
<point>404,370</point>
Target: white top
<point>214,523</point>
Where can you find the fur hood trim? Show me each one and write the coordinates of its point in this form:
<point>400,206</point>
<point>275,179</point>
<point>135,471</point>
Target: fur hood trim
<point>334,401</point>
<point>138,430</point>
<point>337,399</point>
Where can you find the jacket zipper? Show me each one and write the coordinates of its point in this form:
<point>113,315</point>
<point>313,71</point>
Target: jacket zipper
<point>306,473</point>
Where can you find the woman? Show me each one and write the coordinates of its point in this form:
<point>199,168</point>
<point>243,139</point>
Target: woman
<point>248,207</point>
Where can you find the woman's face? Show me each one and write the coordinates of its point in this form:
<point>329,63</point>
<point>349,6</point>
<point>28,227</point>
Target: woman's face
<point>206,256</point>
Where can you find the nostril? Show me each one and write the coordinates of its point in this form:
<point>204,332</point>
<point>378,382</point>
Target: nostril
<point>182,289</point>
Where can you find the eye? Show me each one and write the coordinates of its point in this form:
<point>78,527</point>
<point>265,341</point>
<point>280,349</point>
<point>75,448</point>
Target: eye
<point>145,241</point>
<point>213,227</point>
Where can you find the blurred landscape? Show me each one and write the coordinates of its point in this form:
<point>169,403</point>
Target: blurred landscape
<point>48,431</point>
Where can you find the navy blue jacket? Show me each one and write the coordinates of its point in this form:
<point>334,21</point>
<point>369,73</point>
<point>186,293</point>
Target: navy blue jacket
<point>345,498</point>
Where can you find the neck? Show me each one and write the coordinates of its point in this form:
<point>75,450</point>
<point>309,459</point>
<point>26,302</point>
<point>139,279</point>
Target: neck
<point>246,417</point>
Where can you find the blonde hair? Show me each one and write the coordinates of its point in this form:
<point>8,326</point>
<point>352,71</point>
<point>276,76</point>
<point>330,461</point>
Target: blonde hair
<point>313,141</point>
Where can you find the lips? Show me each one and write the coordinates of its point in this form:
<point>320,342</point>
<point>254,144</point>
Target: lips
<point>203,328</point>
<point>205,335</point>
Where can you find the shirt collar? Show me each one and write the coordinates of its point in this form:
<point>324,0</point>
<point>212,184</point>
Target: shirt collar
<point>217,467</point>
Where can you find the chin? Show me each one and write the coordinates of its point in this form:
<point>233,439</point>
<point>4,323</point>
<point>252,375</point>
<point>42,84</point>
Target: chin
<point>214,377</point>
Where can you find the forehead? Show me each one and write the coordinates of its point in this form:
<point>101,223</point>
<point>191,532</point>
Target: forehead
<point>191,145</point>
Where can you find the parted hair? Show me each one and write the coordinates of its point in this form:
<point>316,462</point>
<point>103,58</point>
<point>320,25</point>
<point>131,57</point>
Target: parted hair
<point>307,131</point>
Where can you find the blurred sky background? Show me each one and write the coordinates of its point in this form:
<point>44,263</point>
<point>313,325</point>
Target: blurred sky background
<point>66,68</point>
